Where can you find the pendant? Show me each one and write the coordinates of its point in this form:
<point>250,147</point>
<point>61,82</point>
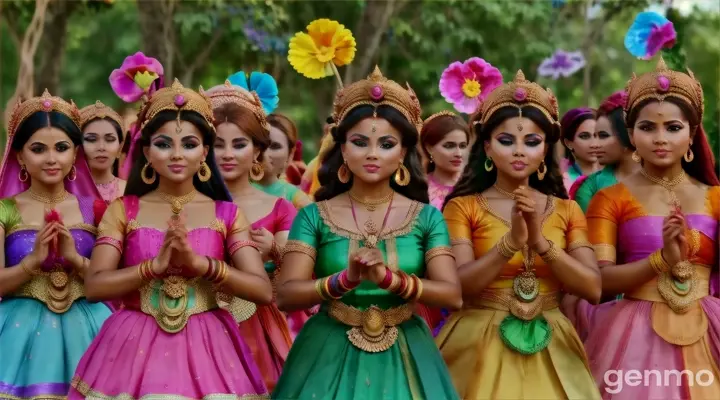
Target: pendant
<point>526,286</point>
<point>370,227</point>
<point>176,206</point>
<point>371,241</point>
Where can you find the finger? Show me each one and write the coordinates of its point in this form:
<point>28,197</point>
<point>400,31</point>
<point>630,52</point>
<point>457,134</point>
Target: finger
<point>527,210</point>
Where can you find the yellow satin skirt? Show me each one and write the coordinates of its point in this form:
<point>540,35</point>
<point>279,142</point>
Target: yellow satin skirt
<point>482,367</point>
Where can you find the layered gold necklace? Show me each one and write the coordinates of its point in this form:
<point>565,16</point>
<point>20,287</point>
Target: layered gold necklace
<point>371,204</point>
<point>177,202</point>
<point>371,231</point>
<point>667,183</point>
<point>50,200</point>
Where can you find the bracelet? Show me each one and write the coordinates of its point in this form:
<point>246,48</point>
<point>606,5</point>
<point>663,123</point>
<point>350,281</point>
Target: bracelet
<point>506,248</point>
<point>117,244</point>
<point>222,274</point>
<point>658,263</point>
<point>26,268</point>
<point>552,253</point>
<point>388,280</point>
<point>345,283</point>
<point>145,271</point>
<point>276,253</point>
<point>328,289</point>
<point>240,244</point>
<point>319,288</point>
<point>418,288</point>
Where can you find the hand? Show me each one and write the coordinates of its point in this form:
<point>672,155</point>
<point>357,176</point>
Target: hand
<point>41,248</point>
<point>264,240</point>
<point>675,246</point>
<point>183,255</point>
<point>161,262</point>
<point>518,227</point>
<point>66,245</point>
<point>526,204</point>
<point>374,265</point>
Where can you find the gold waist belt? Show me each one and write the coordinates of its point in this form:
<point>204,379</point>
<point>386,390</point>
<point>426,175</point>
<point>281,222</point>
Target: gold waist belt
<point>172,300</point>
<point>56,289</point>
<point>506,300</point>
<point>663,289</point>
<point>373,330</point>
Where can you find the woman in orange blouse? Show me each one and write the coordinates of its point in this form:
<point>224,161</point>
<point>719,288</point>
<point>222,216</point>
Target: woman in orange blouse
<point>655,236</point>
<point>517,241</point>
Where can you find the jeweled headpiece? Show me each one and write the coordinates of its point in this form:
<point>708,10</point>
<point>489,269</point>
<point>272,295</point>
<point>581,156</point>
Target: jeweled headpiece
<point>520,92</point>
<point>177,98</point>
<point>46,103</point>
<point>439,114</point>
<point>375,91</point>
<point>663,83</point>
<point>99,111</point>
<point>229,94</point>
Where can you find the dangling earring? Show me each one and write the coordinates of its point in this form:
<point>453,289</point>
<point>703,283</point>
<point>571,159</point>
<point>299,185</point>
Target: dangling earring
<point>204,173</point>
<point>636,157</point>
<point>72,175</point>
<point>402,175</point>
<point>689,156</point>
<point>542,170</point>
<point>344,173</point>
<point>257,171</point>
<point>431,159</point>
<point>23,175</point>
<point>143,174</point>
<point>489,164</point>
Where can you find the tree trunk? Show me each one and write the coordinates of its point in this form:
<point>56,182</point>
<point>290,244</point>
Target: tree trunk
<point>368,33</point>
<point>158,33</point>
<point>52,46</point>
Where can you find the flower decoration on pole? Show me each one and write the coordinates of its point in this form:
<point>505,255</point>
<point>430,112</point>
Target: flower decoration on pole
<point>261,83</point>
<point>562,63</point>
<point>465,85</point>
<point>326,46</point>
<point>650,33</point>
<point>138,76</point>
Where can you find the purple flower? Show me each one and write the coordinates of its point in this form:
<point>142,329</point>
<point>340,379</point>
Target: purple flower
<point>649,33</point>
<point>138,75</point>
<point>562,63</point>
<point>465,85</point>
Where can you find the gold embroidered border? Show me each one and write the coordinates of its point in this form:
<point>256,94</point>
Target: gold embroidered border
<point>403,229</point>
<point>578,244</point>
<point>24,227</point>
<point>549,210</point>
<point>438,251</point>
<point>92,394</point>
<point>605,252</point>
<point>461,241</point>
<point>218,226</point>
<point>6,396</point>
<point>299,247</point>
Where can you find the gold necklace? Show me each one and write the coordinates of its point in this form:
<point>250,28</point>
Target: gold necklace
<point>371,204</point>
<point>665,182</point>
<point>51,200</point>
<point>177,202</point>
<point>504,192</point>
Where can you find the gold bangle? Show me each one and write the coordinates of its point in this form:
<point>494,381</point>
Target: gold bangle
<point>319,284</point>
<point>409,289</point>
<point>27,269</point>
<point>658,263</point>
<point>552,254</point>
<point>395,283</point>
<point>223,275</point>
<point>418,288</point>
<point>505,247</point>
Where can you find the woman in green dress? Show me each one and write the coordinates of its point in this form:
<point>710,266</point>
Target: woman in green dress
<point>377,248</point>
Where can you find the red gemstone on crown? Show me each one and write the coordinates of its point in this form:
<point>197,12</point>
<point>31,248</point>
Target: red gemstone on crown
<point>47,104</point>
<point>520,94</point>
<point>663,83</point>
<point>376,93</point>
<point>179,100</point>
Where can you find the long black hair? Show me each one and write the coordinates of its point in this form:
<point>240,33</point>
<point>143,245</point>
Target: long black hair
<point>417,189</point>
<point>214,188</point>
<point>476,180</point>
<point>40,120</point>
<point>118,131</point>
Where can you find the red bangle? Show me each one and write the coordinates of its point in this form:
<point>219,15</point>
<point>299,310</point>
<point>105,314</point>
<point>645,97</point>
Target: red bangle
<point>387,280</point>
<point>345,282</point>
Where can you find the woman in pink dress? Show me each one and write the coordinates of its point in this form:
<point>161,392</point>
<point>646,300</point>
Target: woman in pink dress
<point>242,138</point>
<point>162,249</point>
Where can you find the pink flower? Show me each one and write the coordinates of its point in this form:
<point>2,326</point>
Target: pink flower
<point>466,85</point>
<point>138,75</point>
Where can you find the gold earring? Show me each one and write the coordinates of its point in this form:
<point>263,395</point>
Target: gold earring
<point>402,175</point>
<point>257,171</point>
<point>72,175</point>
<point>23,175</point>
<point>689,156</point>
<point>542,170</point>
<point>344,173</point>
<point>143,174</point>
<point>204,173</point>
<point>489,164</point>
<point>636,157</point>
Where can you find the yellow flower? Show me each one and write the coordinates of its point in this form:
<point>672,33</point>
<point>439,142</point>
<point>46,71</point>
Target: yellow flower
<point>471,88</point>
<point>325,42</point>
<point>145,79</point>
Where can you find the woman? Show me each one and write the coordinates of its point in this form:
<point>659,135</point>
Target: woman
<point>614,153</point>
<point>103,131</point>
<point>579,137</point>
<point>48,229</point>
<point>310,183</point>
<point>242,138</point>
<point>655,235</point>
<point>517,241</point>
<point>171,231</point>
<point>364,343</point>
<point>444,141</point>
<point>283,136</point>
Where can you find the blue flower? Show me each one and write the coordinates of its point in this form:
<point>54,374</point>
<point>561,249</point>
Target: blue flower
<point>261,83</point>
<point>650,33</point>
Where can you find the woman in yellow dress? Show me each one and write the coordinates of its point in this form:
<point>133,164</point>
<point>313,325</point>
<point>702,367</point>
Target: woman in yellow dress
<point>518,241</point>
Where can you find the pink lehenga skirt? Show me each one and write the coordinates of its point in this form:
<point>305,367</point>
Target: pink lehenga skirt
<point>132,358</point>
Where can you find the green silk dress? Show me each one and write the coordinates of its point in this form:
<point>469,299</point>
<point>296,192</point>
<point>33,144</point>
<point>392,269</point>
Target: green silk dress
<point>323,363</point>
<point>287,191</point>
<point>593,184</point>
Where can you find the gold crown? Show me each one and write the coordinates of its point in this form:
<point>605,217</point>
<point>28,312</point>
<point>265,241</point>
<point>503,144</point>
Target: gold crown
<point>520,92</point>
<point>177,98</point>
<point>45,103</point>
<point>662,83</point>
<point>438,114</point>
<point>230,94</point>
<point>99,111</point>
<point>375,91</point>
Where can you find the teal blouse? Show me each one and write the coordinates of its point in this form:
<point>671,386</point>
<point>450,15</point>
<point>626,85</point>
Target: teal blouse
<point>593,184</point>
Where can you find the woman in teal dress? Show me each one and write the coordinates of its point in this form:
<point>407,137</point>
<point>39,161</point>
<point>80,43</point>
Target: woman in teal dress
<point>377,248</point>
